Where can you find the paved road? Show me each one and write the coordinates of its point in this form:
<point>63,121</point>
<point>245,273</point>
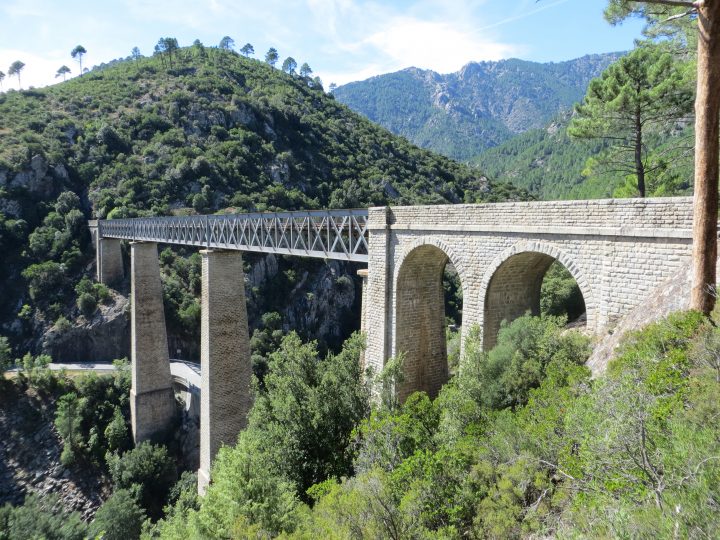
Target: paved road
<point>188,371</point>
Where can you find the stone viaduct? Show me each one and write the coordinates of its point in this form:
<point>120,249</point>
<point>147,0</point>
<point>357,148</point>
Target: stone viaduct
<point>617,250</point>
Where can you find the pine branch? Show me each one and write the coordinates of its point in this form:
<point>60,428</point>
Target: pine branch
<point>677,3</point>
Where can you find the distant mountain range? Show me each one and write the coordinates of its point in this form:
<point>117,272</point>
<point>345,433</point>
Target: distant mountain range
<point>481,106</point>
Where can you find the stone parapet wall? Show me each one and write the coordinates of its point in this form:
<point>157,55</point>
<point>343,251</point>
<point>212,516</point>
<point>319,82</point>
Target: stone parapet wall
<point>670,213</point>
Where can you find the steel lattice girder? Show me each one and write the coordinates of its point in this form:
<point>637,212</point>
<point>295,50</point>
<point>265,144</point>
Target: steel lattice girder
<point>328,234</point>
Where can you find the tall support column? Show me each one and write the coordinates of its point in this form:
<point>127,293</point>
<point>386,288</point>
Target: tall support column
<point>377,310</point>
<point>152,402</point>
<point>363,273</point>
<point>225,395</point>
<point>109,260</point>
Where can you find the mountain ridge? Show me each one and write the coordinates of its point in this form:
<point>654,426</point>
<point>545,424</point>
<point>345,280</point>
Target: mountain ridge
<point>480,106</point>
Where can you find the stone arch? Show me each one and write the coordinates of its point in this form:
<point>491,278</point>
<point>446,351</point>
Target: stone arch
<point>419,325</point>
<point>511,285</point>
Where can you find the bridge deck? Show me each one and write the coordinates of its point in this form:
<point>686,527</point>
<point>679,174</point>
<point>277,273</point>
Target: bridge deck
<point>327,234</point>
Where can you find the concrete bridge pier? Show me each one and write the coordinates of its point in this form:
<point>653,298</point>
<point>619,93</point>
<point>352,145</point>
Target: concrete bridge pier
<point>225,396</point>
<point>152,401</point>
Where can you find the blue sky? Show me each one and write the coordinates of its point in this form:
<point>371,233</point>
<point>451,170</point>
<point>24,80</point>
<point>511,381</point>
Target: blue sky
<point>342,40</point>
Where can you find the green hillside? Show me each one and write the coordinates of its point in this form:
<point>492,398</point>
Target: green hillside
<point>552,165</point>
<point>481,106</point>
<point>199,132</point>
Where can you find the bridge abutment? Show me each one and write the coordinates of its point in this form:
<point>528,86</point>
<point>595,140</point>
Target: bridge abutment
<point>376,315</point>
<point>152,401</point>
<point>225,396</point>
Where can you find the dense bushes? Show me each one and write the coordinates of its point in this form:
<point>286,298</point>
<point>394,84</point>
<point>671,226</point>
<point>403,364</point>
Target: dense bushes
<point>148,471</point>
<point>40,518</point>
<point>92,418</point>
<point>520,443</point>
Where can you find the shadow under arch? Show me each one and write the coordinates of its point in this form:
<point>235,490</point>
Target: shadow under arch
<point>420,327</point>
<point>511,286</point>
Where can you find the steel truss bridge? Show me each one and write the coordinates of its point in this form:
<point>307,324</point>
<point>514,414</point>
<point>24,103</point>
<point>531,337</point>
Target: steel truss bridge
<point>327,234</point>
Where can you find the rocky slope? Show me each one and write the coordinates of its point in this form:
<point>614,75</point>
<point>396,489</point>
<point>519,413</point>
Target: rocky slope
<point>30,450</point>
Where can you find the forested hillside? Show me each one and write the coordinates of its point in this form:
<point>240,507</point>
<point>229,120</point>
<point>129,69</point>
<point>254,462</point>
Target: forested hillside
<point>192,130</point>
<point>551,164</point>
<point>481,106</point>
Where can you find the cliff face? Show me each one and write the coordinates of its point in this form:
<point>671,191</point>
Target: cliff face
<point>30,450</point>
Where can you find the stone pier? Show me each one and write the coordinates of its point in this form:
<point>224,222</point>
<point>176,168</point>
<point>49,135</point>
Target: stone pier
<point>225,396</point>
<point>152,402</point>
<point>110,264</point>
<point>363,274</point>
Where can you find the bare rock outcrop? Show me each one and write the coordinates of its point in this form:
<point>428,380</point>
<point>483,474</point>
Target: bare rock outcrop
<point>30,450</point>
<point>673,295</point>
<point>102,338</point>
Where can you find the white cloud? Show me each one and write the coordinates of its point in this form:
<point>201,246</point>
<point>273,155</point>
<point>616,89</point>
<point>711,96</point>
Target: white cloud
<point>439,46</point>
<point>397,42</point>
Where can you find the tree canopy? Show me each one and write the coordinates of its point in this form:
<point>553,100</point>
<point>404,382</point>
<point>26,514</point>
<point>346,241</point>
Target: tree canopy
<point>78,52</point>
<point>289,65</point>
<point>271,57</point>
<point>62,72</point>
<point>646,91</point>
<point>247,49</point>
<point>15,69</point>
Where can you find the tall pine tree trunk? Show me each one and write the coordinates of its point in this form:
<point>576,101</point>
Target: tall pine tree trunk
<point>639,165</point>
<point>707,153</point>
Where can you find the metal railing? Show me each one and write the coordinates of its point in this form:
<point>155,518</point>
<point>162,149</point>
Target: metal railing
<point>328,234</point>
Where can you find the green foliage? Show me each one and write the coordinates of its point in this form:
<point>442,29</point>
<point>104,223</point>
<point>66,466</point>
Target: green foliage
<point>92,418</point>
<point>646,91</point>
<point>6,359</point>
<point>265,340</point>
<point>90,295</point>
<point>45,280</point>
<point>149,469</point>
<point>119,518</point>
<point>560,294</point>
<point>525,348</point>
<point>246,489</point>
<point>36,373</point>
<point>67,422</point>
<point>629,454</point>
<point>298,435</point>
<point>305,417</point>
<point>116,433</point>
<point>40,518</point>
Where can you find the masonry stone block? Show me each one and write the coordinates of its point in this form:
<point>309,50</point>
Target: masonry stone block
<point>152,401</point>
<point>109,260</point>
<point>618,251</point>
<point>225,396</point>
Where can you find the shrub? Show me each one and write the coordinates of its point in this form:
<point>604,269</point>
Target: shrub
<point>150,468</point>
<point>117,434</point>
<point>46,280</point>
<point>525,349</point>
<point>87,304</point>
<point>40,517</point>
<point>5,355</point>
<point>119,518</point>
